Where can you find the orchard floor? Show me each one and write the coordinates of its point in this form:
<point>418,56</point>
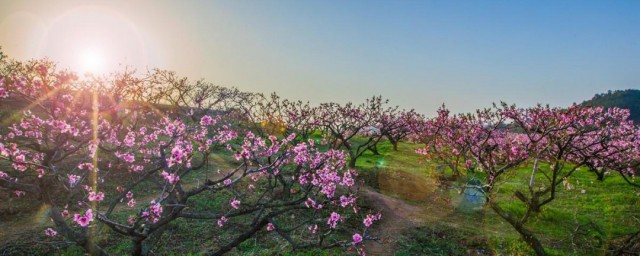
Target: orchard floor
<point>407,206</point>
<point>398,217</point>
<point>425,215</point>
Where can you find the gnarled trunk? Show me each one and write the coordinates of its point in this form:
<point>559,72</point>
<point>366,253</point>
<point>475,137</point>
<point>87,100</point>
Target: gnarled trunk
<point>526,234</point>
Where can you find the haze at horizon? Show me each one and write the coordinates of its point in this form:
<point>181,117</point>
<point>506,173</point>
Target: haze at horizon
<point>418,54</point>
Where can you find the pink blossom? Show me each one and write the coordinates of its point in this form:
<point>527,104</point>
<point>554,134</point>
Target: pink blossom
<point>87,166</point>
<point>130,139</point>
<point>171,178</point>
<point>129,158</point>
<point>20,158</point>
<point>222,221</point>
<point>98,197</point>
<point>235,204</point>
<point>67,97</point>
<point>347,201</point>
<point>50,232</point>
<point>83,220</point>
<point>73,179</point>
<point>65,212</point>
<point>207,120</point>
<point>270,227</point>
<point>370,219</point>
<point>357,238</point>
<point>40,172</point>
<point>313,229</point>
<point>131,203</point>
<point>333,220</point>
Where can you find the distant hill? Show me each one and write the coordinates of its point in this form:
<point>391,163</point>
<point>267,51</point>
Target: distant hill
<point>629,99</point>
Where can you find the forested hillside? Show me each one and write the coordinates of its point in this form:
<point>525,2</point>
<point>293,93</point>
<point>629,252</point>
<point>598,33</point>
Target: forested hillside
<point>628,99</point>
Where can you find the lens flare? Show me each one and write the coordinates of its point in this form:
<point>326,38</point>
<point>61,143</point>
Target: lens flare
<point>91,61</point>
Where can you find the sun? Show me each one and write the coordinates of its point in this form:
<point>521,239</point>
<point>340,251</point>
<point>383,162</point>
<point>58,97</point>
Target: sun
<point>92,61</point>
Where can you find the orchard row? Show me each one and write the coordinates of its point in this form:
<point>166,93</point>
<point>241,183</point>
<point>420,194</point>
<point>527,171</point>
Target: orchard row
<point>116,151</point>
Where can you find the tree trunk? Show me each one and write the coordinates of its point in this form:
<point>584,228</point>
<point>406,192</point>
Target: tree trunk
<point>374,150</point>
<point>226,248</point>
<point>531,240</point>
<point>526,234</point>
<point>600,174</point>
<point>80,239</point>
<point>137,247</point>
<point>395,145</point>
<point>352,162</point>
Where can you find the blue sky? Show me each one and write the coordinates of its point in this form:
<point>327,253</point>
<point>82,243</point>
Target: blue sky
<point>419,54</point>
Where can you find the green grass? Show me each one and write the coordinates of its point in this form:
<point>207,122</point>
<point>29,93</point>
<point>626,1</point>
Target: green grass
<point>439,239</point>
<point>574,223</point>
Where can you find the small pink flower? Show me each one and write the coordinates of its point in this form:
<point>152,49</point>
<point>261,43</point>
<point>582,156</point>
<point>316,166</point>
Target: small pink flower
<point>468,163</point>
<point>83,220</point>
<point>222,221</point>
<point>98,197</point>
<point>40,172</point>
<point>370,219</point>
<point>270,227</point>
<point>20,158</point>
<point>50,232</point>
<point>73,179</point>
<point>357,238</point>
<point>313,229</point>
<point>335,217</point>
<point>171,178</point>
<point>227,182</point>
<point>87,166</point>
<point>235,204</point>
<point>131,203</point>
<point>20,193</point>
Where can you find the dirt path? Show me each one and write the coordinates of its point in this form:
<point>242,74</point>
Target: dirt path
<point>397,216</point>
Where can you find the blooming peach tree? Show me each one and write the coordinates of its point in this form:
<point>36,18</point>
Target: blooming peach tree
<point>351,127</point>
<point>553,143</point>
<point>97,158</point>
<point>397,125</point>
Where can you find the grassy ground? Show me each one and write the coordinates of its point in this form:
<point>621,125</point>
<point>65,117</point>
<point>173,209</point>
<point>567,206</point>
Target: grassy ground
<point>575,223</point>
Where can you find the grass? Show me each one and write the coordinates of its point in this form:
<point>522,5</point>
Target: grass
<point>439,239</point>
<point>575,223</point>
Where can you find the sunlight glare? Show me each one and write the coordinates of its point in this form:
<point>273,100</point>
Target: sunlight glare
<point>92,61</point>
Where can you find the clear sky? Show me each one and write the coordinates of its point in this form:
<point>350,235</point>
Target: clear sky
<point>419,54</point>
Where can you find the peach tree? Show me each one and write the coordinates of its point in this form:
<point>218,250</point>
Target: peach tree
<point>99,156</point>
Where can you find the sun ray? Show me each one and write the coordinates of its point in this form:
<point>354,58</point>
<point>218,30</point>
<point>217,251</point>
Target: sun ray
<point>31,105</point>
<point>94,172</point>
